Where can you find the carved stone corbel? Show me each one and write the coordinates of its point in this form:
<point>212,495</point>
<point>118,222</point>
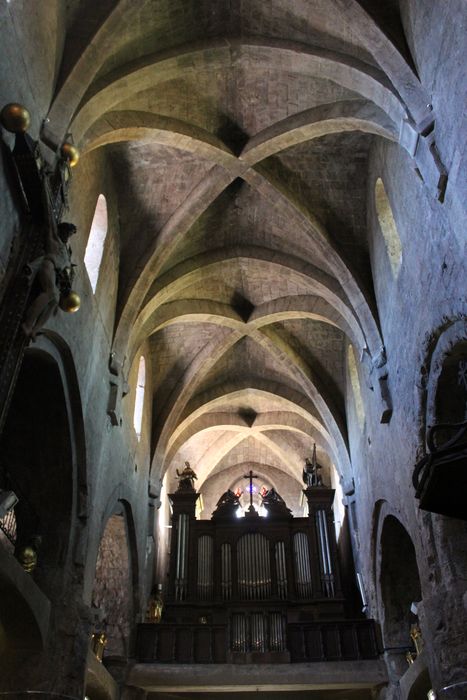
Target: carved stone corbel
<point>378,375</point>
<point>118,389</point>
<point>419,141</point>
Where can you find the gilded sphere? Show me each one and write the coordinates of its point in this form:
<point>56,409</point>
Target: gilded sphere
<point>27,557</point>
<point>15,118</point>
<point>70,153</point>
<point>70,303</point>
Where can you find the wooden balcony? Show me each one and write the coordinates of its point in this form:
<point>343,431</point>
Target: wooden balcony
<point>347,640</point>
<point>211,643</point>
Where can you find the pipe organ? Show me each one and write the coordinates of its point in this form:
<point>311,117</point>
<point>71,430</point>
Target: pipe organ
<point>253,584</point>
<point>253,567</point>
<point>182,557</point>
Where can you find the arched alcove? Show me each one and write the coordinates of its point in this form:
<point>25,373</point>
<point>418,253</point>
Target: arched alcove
<point>451,389</point>
<point>399,583</point>
<point>444,401</point>
<point>96,241</point>
<point>36,462</point>
<point>139,397</point>
<point>388,227</point>
<point>355,384</point>
<point>113,590</point>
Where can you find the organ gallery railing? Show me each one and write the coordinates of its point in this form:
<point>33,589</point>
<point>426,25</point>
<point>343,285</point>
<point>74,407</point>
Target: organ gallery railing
<point>256,635</point>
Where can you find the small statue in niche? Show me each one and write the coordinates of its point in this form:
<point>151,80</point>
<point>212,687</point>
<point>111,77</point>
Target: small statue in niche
<point>186,478</point>
<point>417,640</point>
<point>98,644</point>
<point>27,555</point>
<point>311,475</point>
<point>155,605</point>
<point>53,271</point>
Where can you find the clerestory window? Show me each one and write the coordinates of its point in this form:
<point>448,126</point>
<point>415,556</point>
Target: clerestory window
<point>139,398</point>
<point>355,383</point>
<point>388,227</point>
<point>96,241</point>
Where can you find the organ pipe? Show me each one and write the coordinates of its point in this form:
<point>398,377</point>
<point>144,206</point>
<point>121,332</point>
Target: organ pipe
<point>302,565</point>
<point>276,632</point>
<point>226,571</point>
<point>327,575</point>
<point>182,555</point>
<point>254,569</point>
<point>205,567</point>
<point>281,570</point>
<point>258,632</point>
<point>239,636</point>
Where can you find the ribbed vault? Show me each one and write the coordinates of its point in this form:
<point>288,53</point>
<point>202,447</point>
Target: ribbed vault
<point>238,135</point>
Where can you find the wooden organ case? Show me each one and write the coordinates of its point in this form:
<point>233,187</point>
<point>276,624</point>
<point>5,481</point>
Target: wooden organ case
<point>254,589</point>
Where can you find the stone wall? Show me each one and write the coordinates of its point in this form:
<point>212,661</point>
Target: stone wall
<point>112,589</point>
<point>108,464</point>
<point>427,296</point>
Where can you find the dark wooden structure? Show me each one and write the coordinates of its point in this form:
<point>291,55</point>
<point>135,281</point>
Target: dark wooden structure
<point>31,183</point>
<point>440,478</point>
<point>254,589</point>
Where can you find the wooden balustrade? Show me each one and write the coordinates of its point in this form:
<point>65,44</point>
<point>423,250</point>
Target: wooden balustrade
<point>210,643</point>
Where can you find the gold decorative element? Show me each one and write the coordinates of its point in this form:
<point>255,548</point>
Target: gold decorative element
<point>70,303</point>
<point>70,153</point>
<point>155,606</point>
<point>416,636</point>
<point>98,644</point>
<point>417,639</point>
<point>27,557</point>
<point>15,118</point>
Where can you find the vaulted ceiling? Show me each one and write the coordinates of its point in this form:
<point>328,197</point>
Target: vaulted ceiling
<point>239,133</point>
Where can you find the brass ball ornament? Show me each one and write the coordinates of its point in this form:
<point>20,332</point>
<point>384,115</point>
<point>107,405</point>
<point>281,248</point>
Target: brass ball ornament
<point>15,118</point>
<point>70,303</point>
<point>70,153</point>
<point>27,557</point>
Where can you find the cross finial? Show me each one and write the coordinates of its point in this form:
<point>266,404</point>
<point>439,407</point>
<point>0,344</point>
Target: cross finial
<point>251,476</point>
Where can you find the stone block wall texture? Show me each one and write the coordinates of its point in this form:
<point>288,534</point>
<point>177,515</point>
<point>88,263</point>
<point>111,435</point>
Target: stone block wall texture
<point>112,587</point>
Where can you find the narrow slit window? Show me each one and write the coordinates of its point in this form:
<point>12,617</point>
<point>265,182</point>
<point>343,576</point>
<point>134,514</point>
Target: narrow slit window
<point>356,391</point>
<point>139,398</point>
<point>388,227</point>
<point>96,241</point>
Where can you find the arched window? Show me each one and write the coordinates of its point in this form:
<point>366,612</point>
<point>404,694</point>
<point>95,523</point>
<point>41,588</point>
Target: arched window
<point>139,399</point>
<point>355,382</point>
<point>388,227</point>
<point>96,240</point>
